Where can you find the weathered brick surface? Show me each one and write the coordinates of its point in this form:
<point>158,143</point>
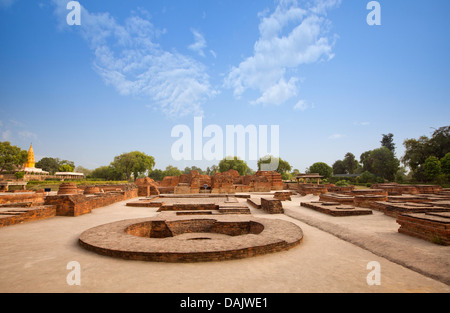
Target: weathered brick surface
<point>272,206</point>
<point>11,216</point>
<point>394,209</point>
<point>283,196</point>
<point>365,201</point>
<point>75,205</point>
<point>68,189</point>
<point>183,239</point>
<point>433,227</point>
<point>24,197</point>
<point>336,197</point>
<point>336,209</point>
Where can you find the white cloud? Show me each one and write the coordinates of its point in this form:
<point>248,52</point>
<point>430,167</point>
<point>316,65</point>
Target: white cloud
<point>27,134</point>
<point>128,58</point>
<point>289,37</point>
<point>336,136</point>
<point>278,93</point>
<point>199,44</point>
<point>301,106</point>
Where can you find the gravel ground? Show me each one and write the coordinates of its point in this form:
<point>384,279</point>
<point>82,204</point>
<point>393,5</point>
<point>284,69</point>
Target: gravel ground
<point>333,257</point>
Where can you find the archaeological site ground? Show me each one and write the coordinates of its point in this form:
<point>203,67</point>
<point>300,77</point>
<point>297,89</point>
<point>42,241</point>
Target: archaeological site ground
<point>225,234</point>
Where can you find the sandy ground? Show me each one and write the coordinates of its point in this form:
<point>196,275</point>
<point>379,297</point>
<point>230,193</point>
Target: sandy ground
<point>333,257</point>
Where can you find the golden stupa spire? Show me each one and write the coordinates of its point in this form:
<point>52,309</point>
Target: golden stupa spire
<point>30,162</point>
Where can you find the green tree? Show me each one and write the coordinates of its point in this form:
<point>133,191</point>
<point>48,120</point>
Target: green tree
<point>108,173</point>
<point>85,171</point>
<point>350,163</point>
<point>366,162</point>
<point>418,150</point>
<point>432,168</point>
<point>67,168</point>
<point>234,163</point>
<point>188,170</point>
<point>11,157</point>
<point>50,165</point>
<point>156,174</point>
<point>322,168</point>
<point>445,164</point>
<point>339,167</point>
<point>388,142</point>
<point>282,168</point>
<point>135,163</point>
<point>172,171</point>
<point>384,163</point>
<point>440,142</point>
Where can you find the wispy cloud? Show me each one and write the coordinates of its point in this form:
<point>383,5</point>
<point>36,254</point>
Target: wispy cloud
<point>361,123</point>
<point>336,136</point>
<point>27,134</point>
<point>128,58</point>
<point>200,43</point>
<point>6,135</point>
<point>289,37</point>
<point>301,106</point>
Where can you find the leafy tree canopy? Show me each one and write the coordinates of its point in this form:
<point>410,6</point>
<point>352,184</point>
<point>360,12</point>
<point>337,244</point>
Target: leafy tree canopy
<point>11,157</point>
<point>234,163</point>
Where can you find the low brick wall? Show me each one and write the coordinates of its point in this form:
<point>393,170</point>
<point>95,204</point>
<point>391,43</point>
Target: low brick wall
<point>12,216</point>
<point>433,227</point>
<point>335,197</point>
<point>394,209</point>
<point>365,201</point>
<point>336,209</point>
<point>76,205</point>
<point>22,197</point>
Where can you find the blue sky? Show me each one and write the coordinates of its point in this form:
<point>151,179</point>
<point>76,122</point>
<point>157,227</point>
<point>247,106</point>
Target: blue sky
<point>133,70</point>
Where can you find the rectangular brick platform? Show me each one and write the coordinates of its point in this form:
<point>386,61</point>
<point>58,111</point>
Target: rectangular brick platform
<point>433,227</point>
<point>14,215</point>
<point>336,209</point>
<point>394,209</point>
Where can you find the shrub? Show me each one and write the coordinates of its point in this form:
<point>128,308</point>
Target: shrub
<point>342,183</point>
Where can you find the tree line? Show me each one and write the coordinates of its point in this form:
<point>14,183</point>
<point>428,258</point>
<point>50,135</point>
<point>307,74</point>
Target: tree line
<point>428,160</point>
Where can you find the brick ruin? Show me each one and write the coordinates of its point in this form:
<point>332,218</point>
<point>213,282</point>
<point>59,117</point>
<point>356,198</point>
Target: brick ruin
<point>182,239</point>
<point>221,183</point>
<point>423,211</point>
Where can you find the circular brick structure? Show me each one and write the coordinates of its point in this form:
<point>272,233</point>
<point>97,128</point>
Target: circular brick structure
<point>68,189</point>
<point>187,239</point>
<point>91,190</point>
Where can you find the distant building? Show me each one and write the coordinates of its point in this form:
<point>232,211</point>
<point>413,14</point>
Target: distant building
<point>30,165</point>
<point>69,176</point>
